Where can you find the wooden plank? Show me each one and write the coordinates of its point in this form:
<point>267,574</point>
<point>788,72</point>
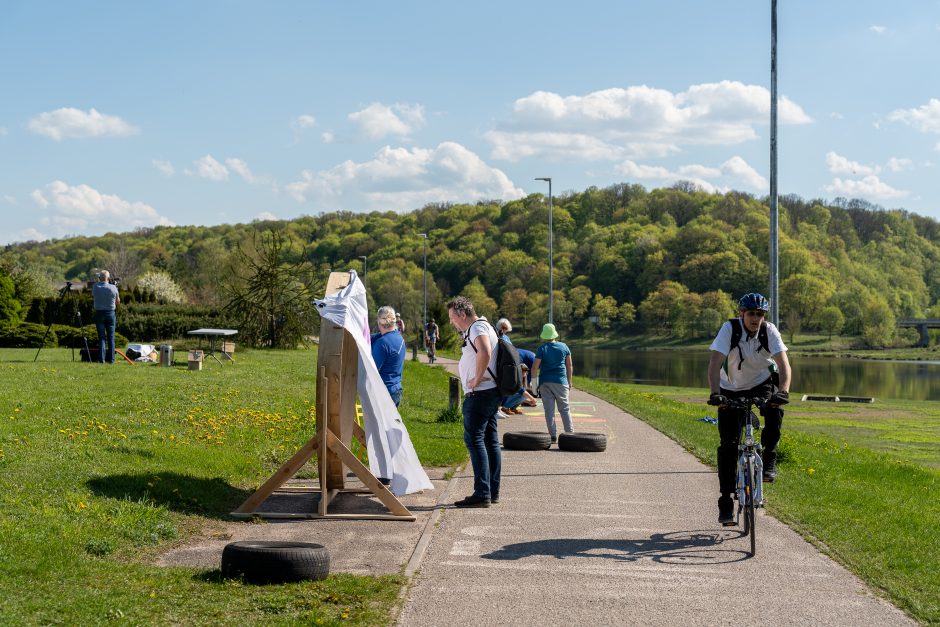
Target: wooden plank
<point>289,516</point>
<point>381,492</point>
<point>323,431</point>
<point>287,470</point>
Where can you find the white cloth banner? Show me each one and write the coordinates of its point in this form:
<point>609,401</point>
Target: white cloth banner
<point>391,454</point>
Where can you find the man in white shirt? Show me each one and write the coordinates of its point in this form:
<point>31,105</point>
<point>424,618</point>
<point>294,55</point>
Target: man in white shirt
<point>746,371</point>
<point>481,401</point>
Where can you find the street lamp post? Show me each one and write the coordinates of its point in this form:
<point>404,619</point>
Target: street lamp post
<point>550,238</point>
<point>425,236</point>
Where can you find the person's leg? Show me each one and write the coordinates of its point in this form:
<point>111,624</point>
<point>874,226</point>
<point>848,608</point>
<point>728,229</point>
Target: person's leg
<point>513,401</point>
<point>111,327</point>
<point>561,397</point>
<point>100,327</point>
<point>474,430</point>
<point>769,438</point>
<point>431,351</point>
<point>548,404</point>
<point>729,432</point>
<point>494,455</point>
<point>396,397</point>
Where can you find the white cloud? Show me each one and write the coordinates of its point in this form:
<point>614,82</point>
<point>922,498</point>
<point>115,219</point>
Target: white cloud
<point>305,121</point>
<point>74,123</point>
<point>73,209</point>
<point>734,170</point>
<point>699,171</point>
<point>327,137</point>
<point>868,187</point>
<point>24,235</point>
<point>925,118</point>
<point>10,200</point>
<point>165,167</point>
<point>739,169</point>
<point>877,29</point>
<point>378,120</point>
<point>266,215</point>
<point>898,165</point>
<point>637,122</point>
<point>403,179</point>
<point>838,164</point>
<point>39,199</point>
<point>208,168</point>
<point>241,168</point>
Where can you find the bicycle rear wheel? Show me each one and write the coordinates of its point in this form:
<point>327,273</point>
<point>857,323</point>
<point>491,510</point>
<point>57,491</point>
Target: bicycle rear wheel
<point>750,517</point>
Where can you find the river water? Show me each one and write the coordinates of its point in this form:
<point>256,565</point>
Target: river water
<point>811,375</point>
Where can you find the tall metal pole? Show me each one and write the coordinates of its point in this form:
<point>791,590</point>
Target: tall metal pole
<point>774,266</point>
<point>425,236</point>
<point>551,237</point>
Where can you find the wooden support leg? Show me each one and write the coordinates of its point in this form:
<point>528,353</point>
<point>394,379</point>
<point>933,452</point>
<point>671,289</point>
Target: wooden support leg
<point>388,499</point>
<point>285,472</point>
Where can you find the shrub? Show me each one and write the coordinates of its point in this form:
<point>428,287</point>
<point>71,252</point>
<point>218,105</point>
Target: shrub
<point>450,414</point>
<point>27,335</point>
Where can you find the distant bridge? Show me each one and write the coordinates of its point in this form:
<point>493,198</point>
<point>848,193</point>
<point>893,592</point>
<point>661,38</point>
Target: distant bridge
<point>922,325</point>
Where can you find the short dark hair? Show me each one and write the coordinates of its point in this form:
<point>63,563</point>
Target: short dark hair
<point>462,305</point>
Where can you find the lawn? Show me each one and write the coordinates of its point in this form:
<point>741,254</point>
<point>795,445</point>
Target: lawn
<point>102,468</point>
<point>860,481</point>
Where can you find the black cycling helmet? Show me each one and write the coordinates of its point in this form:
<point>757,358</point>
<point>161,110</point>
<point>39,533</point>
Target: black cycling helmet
<point>754,301</point>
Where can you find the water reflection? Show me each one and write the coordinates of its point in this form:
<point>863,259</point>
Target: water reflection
<point>811,375</point>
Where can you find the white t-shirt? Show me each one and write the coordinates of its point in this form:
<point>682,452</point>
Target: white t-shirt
<point>468,357</point>
<point>754,369</point>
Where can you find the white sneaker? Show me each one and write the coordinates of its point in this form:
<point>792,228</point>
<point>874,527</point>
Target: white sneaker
<point>500,414</point>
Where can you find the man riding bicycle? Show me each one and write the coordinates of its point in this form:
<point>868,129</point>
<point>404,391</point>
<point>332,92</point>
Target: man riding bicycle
<point>746,370</point>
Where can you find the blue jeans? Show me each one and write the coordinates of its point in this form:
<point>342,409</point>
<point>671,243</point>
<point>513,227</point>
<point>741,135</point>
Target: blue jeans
<point>513,401</point>
<point>105,321</point>
<point>481,436</point>
<point>396,396</point>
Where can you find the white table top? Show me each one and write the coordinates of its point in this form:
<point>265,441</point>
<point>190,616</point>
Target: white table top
<point>214,332</point>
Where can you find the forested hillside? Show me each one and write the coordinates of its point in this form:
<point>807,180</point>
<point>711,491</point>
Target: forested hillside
<point>665,260</point>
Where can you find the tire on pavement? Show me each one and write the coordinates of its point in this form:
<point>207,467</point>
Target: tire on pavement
<point>526,440</point>
<point>263,562</point>
<point>582,442</point>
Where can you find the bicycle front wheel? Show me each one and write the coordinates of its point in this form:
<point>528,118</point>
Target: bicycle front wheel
<point>750,509</point>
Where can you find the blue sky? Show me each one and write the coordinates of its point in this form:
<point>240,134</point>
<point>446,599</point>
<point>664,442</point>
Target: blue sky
<point>117,115</point>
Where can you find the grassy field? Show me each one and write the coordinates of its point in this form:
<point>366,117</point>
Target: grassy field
<point>102,468</point>
<point>860,481</point>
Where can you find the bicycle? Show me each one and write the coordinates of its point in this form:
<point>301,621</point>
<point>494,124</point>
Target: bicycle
<point>750,489</point>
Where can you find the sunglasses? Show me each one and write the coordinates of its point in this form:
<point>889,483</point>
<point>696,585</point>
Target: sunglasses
<point>756,312</point>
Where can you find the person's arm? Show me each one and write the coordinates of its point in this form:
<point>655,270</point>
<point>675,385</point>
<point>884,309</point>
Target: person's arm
<point>783,370</point>
<point>534,373</point>
<point>379,358</point>
<point>714,372</point>
<point>484,351</point>
<point>570,368</point>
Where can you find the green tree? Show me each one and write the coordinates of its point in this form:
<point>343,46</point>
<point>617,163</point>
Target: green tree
<point>604,309</point>
<point>9,306</point>
<point>482,303</point>
<point>878,322</point>
<point>270,289</point>
<point>831,319</point>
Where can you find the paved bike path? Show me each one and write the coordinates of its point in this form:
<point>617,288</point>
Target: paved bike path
<point>628,536</point>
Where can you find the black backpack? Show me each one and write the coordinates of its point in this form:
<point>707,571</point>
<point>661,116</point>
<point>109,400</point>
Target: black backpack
<point>508,375</point>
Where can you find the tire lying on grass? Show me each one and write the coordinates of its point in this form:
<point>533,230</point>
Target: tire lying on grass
<point>275,562</point>
<point>526,440</point>
<point>583,442</point>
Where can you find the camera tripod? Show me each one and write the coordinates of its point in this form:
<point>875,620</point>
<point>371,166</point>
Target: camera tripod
<point>66,292</point>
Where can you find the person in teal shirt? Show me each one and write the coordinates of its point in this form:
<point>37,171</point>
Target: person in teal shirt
<point>554,370</point>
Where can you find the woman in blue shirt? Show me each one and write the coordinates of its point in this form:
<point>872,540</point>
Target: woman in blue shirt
<point>554,370</point>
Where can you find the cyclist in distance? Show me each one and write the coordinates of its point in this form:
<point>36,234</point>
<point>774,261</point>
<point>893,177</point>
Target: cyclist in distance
<point>746,370</point>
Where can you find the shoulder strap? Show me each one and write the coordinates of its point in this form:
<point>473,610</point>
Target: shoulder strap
<point>475,348</point>
<point>737,329</point>
<point>762,337</point>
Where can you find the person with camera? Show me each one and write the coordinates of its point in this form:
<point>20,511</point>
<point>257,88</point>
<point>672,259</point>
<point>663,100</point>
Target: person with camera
<point>748,360</point>
<point>105,294</point>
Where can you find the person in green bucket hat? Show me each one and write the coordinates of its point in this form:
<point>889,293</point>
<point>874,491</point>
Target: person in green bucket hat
<point>554,370</point>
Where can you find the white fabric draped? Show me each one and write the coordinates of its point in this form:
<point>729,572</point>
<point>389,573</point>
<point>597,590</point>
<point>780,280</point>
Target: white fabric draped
<point>391,454</point>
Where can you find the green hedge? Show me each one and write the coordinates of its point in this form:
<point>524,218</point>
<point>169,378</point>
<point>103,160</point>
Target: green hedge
<point>27,335</point>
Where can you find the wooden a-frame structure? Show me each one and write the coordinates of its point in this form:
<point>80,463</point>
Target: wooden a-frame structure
<point>337,366</point>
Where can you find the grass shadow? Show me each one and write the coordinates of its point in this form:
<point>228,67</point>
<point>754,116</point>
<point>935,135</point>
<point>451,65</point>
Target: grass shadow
<point>186,494</point>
